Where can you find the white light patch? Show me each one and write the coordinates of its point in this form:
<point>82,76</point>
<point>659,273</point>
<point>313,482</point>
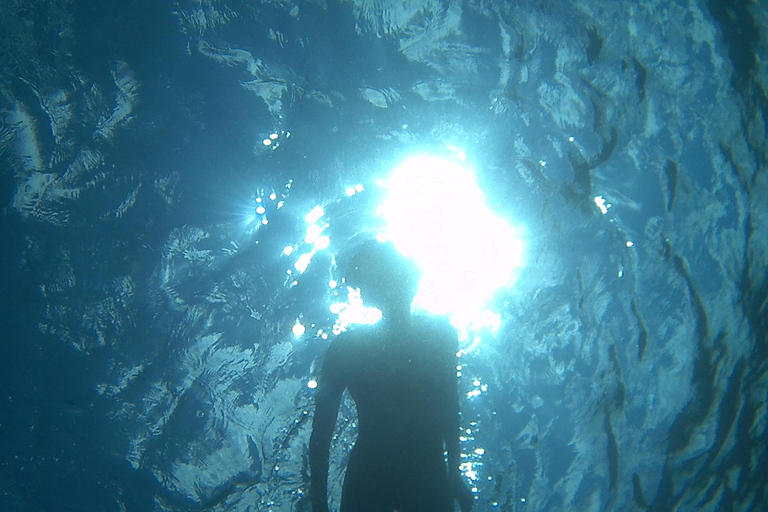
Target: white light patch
<point>466,468</point>
<point>322,242</point>
<point>260,210</point>
<point>350,191</point>
<point>602,205</point>
<point>288,250</point>
<point>630,243</point>
<point>298,329</point>
<point>353,312</point>
<point>267,142</point>
<point>314,215</point>
<point>313,231</point>
<point>303,262</point>
<point>436,214</point>
<point>312,384</point>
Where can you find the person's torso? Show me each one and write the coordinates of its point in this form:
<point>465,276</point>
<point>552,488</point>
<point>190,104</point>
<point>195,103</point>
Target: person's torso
<point>401,390</point>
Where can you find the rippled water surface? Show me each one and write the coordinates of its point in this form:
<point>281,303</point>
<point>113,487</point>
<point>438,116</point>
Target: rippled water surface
<point>168,300</point>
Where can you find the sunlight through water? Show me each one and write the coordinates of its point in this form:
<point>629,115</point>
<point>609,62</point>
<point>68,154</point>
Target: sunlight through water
<point>436,213</point>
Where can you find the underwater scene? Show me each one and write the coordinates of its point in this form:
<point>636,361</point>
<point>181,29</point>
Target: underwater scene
<point>582,185</point>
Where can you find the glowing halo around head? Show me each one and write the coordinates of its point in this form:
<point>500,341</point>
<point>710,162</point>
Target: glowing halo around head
<point>436,214</point>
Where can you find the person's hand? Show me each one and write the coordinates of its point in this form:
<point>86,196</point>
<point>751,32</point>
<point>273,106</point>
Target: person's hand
<point>461,492</point>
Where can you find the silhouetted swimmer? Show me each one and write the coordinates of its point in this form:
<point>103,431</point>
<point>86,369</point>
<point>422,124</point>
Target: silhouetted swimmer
<point>401,374</point>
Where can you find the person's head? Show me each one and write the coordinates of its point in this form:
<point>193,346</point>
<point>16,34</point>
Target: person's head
<point>386,279</point>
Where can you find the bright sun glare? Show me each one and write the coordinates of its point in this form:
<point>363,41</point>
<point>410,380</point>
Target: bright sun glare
<point>436,214</point>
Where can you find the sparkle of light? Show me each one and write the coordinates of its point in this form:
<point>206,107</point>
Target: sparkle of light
<point>313,231</point>
<point>303,262</point>
<point>314,215</point>
<point>601,204</point>
<point>322,242</point>
<point>298,329</point>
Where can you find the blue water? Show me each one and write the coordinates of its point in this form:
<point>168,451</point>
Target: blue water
<point>147,357</point>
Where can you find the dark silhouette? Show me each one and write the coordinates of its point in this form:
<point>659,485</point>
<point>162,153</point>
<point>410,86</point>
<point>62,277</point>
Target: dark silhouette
<point>401,374</point>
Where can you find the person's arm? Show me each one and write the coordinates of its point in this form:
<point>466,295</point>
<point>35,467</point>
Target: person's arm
<point>329,391</point>
<point>452,428</point>
<point>452,422</point>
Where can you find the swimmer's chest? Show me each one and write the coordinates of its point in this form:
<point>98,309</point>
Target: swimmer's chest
<point>404,376</point>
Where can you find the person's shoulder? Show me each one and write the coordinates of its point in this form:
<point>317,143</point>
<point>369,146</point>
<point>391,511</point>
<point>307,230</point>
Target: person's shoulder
<point>355,335</point>
<point>338,345</point>
<point>336,358</point>
<point>349,341</point>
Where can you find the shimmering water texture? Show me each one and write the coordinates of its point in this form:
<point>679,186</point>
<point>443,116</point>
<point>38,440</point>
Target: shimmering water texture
<point>582,184</point>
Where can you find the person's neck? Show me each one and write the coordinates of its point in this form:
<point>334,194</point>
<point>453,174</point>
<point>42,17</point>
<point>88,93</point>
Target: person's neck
<point>397,319</point>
